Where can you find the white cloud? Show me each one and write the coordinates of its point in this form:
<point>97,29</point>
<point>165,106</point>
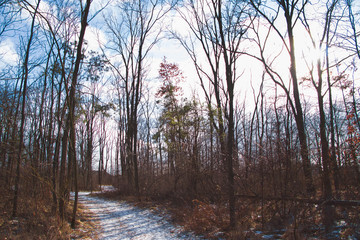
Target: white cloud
<point>94,36</point>
<point>8,55</point>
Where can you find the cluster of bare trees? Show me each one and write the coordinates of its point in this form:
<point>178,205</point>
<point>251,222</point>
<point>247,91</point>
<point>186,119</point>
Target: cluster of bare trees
<point>39,130</point>
<point>67,110</point>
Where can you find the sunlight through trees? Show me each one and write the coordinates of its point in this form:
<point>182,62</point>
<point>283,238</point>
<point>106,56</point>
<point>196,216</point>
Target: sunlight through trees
<point>257,130</point>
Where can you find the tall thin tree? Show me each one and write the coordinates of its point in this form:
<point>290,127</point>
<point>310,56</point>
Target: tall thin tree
<point>25,75</point>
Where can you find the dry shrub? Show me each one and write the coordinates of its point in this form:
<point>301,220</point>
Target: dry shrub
<point>205,219</point>
<point>35,218</point>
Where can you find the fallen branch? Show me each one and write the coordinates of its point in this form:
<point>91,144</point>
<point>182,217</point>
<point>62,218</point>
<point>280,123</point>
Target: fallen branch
<point>335,202</point>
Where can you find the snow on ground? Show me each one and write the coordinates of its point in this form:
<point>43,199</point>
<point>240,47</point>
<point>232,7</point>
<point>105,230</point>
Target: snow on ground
<point>120,220</point>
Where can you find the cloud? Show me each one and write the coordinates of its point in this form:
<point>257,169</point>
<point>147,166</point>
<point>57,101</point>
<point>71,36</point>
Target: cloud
<point>94,36</point>
<point>8,55</point>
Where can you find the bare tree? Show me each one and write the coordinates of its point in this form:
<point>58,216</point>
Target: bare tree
<point>25,75</point>
<point>133,36</point>
<point>292,11</point>
<point>218,27</point>
<point>354,27</point>
<point>316,77</point>
<point>71,111</point>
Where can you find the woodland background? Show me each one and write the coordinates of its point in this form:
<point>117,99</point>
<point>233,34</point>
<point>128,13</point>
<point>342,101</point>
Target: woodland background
<point>267,138</point>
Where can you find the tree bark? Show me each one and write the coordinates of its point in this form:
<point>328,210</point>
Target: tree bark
<point>72,102</point>
<point>22,124</point>
<point>325,155</point>
<point>299,117</point>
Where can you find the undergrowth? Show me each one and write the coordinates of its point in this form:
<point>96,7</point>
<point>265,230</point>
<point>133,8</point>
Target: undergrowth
<point>36,219</point>
<point>255,219</point>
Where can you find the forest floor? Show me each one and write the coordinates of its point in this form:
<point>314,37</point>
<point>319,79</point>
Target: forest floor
<point>122,220</point>
<point>121,217</point>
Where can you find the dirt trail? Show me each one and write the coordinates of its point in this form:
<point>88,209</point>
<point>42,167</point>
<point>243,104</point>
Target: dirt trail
<point>120,220</point>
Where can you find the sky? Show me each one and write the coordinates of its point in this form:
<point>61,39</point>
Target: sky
<point>250,68</point>
<point>171,49</point>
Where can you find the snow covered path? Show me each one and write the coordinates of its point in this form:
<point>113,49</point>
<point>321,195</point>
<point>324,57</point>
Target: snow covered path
<point>120,220</point>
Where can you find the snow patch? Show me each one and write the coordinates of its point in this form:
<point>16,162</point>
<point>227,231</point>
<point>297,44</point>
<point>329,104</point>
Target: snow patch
<point>120,220</point>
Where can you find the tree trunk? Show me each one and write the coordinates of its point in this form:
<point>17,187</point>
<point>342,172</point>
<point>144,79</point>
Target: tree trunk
<point>299,117</point>
<point>228,60</point>
<point>22,124</point>
<point>72,155</point>
<point>325,155</point>
<point>333,162</point>
<point>62,176</point>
